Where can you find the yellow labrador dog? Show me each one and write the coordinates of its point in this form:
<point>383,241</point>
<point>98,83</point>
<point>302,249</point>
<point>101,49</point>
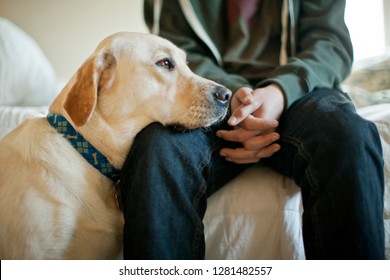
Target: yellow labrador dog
<point>57,173</point>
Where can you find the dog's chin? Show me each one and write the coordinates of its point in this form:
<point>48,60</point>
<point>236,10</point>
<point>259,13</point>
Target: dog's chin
<point>178,127</point>
<point>181,127</point>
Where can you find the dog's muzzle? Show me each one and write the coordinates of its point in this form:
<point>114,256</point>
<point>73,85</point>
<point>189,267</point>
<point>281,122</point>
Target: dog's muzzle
<point>207,111</point>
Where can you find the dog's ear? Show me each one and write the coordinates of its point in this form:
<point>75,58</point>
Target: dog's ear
<point>94,76</point>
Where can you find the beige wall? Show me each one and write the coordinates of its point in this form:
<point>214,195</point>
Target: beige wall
<point>69,30</point>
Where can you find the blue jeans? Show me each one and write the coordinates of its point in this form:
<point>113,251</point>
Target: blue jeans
<point>331,153</point>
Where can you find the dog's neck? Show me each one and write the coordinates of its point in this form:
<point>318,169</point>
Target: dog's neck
<point>115,139</point>
<point>89,152</point>
<point>111,151</point>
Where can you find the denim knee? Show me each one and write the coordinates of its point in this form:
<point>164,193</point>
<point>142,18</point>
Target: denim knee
<point>152,143</point>
<point>163,158</point>
<point>326,120</point>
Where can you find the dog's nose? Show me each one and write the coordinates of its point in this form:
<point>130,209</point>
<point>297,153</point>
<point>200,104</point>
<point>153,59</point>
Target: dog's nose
<point>222,95</point>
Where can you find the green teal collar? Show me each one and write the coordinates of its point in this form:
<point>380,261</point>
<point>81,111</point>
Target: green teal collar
<point>90,153</point>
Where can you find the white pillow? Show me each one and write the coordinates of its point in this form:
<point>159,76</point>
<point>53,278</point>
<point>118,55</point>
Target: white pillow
<point>26,75</point>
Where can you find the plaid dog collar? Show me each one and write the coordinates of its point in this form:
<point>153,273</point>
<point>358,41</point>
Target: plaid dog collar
<point>90,153</point>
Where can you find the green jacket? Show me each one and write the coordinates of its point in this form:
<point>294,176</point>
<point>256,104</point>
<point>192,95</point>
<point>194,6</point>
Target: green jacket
<point>312,50</point>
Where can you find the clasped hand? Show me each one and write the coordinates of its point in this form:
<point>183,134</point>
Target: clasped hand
<point>255,115</point>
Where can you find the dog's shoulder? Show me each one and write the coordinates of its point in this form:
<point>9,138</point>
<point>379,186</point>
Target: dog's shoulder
<point>28,140</point>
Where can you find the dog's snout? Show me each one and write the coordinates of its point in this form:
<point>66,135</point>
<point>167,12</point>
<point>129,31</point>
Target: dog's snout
<point>222,95</point>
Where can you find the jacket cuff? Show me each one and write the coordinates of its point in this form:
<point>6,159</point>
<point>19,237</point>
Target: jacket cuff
<point>234,82</point>
<point>293,86</point>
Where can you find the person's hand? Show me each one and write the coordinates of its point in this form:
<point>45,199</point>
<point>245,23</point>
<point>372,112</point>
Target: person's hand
<point>255,116</point>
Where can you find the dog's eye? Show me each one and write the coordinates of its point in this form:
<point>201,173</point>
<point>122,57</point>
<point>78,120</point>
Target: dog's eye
<point>166,63</point>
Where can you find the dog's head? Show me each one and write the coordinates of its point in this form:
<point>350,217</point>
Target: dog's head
<point>134,75</point>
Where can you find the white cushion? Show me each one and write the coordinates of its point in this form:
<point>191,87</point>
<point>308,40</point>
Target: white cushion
<point>26,76</point>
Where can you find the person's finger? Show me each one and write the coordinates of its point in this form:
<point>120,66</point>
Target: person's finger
<point>259,124</point>
<point>244,96</point>
<point>242,155</point>
<point>268,151</point>
<point>241,113</point>
<point>239,155</point>
<point>243,161</point>
<point>236,135</point>
<point>261,141</point>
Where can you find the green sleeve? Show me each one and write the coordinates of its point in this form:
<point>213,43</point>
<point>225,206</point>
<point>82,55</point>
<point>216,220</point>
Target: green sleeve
<point>324,50</point>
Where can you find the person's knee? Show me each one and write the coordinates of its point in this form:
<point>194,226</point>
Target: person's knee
<point>331,121</point>
<point>325,102</point>
<point>157,143</point>
<point>153,139</point>
<point>346,131</point>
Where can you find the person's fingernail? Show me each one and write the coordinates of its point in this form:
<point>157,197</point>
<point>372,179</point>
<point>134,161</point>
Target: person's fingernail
<point>232,121</point>
<point>248,99</point>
